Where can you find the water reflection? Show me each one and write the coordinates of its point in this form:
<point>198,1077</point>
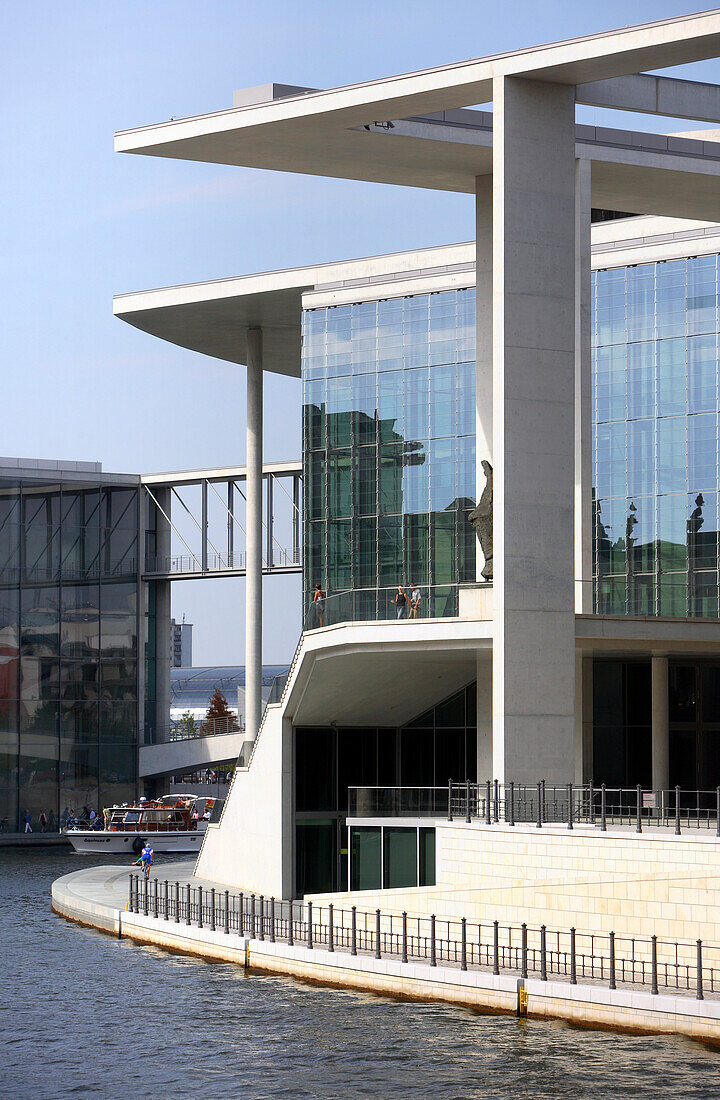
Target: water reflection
<point>88,1015</point>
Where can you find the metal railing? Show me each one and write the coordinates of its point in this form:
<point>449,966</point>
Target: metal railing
<point>568,955</point>
<point>190,729</point>
<point>218,563</point>
<point>377,605</point>
<point>542,804</point>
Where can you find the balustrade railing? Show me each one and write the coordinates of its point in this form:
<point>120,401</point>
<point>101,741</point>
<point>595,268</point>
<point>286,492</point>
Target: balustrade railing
<point>568,955</point>
<point>542,804</point>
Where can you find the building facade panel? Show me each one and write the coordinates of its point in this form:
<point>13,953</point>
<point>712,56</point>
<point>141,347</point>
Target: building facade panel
<point>69,648</point>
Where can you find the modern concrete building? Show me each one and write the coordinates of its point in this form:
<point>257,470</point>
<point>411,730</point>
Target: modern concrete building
<point>181,641</point>
<point>555,382</point>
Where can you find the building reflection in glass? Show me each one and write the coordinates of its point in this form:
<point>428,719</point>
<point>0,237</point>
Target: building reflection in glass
<point>389,450</point>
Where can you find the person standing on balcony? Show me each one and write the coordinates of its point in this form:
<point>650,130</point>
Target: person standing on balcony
<point>319,603</point>
<point>401,603</point>
<point>415,600</point>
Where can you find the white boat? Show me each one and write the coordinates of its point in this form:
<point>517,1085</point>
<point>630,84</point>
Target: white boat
<point>174,823</point>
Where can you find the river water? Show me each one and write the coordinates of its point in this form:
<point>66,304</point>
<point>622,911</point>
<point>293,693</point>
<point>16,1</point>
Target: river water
<point>84,1014</point>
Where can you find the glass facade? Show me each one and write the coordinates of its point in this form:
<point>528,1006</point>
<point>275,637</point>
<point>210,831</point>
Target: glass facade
<point>389,451</point>
<point>68,649</point>
<point>439,745</point>
<point>655,462</point>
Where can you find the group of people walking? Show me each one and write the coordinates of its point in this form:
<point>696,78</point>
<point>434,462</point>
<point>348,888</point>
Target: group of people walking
<point>407,603</point>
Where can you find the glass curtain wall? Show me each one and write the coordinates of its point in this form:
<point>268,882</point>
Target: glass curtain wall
<point>68,650</point>
<point>655,463</point>
<point>389,452</point>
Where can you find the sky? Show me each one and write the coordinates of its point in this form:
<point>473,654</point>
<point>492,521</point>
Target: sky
<point>81,223</point>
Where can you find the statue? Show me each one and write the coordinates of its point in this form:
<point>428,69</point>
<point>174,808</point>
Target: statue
<point>481,519</point>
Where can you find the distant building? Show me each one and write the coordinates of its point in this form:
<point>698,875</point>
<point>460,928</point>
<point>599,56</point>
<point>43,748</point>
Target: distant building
<point>181,644</point>
<point>192,688</point>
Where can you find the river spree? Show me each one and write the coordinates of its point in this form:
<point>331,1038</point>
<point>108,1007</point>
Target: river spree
<point>88,1015</point>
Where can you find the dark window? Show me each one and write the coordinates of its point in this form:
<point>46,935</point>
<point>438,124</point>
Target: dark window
<point>315,766</point>
<point>427,857</point>
<point>399,858</point>
<point>365,858</point>
<point>316,856</point>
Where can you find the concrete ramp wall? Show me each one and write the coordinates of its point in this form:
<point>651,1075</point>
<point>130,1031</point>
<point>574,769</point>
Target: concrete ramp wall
<point>251,848</point>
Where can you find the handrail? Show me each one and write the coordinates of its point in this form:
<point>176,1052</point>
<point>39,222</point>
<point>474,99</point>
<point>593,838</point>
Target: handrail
<point>566,955</point>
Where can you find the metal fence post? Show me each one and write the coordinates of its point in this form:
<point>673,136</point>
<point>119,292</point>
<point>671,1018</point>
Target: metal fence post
<point>262,916</point>
<point>272,920</point>
<point>496,801</point>
<point>130,894</point>
<point>591,803</point>
<point>177,902</point>
<point>653,965</point>
<point>570,805</point>
<point>167,900</point>
<point>377,933</point>
<point>467,801</point>
<point>512,803</point>
<point>612,961</point>
<point>463,944</point>
<point>241,917</point>
<point>450,786</point>
<point>699,988</point>
<point>543,953</point>
<point>291,937</point>
<point>496,947</point>
<point>353,931</point>
<point>331,929</point>
<point>212,909</point>
<point>404,937</point>
<point>433,956</point>
<point>603,808</point>
<point>488,789</point>
<point>539,807</point>
<point>146,897</point>
<point>524,950</point>
<point>573,966</point>
<point>638,809</point>
<point>188,918</point>
<point>309,926</point>
<point>227,913</point>
<point>252,916</point>
<point>200,906</point>
<point>677,811</point>
<point>156,909</point>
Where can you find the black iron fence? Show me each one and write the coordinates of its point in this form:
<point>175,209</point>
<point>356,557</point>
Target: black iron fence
<point>637,962</point>
<point>542,804</point>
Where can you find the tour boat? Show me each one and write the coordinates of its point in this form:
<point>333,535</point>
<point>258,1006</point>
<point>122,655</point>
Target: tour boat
<point>174,823</point>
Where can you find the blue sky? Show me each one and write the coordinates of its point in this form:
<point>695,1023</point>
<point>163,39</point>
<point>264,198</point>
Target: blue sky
<point>81,223</point>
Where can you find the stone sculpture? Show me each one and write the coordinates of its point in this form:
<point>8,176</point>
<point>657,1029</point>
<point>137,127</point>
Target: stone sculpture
<point>481,519</point>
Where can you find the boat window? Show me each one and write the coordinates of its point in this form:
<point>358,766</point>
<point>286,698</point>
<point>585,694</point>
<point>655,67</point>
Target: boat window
<point>131,817</point>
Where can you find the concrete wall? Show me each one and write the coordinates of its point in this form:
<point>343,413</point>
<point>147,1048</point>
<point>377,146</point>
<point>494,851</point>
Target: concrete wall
<point>252,849</point>
<point>636,885</point>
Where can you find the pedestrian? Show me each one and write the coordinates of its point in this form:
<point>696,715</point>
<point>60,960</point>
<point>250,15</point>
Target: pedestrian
<point>415,600</point>
<point>319,604</point>
<point>401,603</point>
<point>93,818</point>
<point>28,821</point>
<point>43,821</point>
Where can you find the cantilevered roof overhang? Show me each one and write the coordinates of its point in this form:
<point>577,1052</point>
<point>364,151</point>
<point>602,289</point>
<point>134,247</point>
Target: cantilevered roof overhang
<point>432,143</point>
<point>213,317</point>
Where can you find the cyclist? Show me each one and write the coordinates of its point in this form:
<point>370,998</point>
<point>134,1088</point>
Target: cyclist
<point>145,860</point>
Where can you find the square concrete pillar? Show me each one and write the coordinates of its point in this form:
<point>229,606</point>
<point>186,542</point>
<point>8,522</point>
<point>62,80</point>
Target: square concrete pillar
<point>483,342</point>
<point>583,392</point>
<point>533,430</point>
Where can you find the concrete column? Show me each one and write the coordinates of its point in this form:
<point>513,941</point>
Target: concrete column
<point>533,430</point>
<point>660,723</point>
<point>483,340</point>
<point>484,717</point>
<point>583,717</point>
<point>583,392</point>
<point>163,611</point>
<point>253,577</point>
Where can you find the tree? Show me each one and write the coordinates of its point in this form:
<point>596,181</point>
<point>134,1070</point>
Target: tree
<point>219,717</point>
<point>188,726</point>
